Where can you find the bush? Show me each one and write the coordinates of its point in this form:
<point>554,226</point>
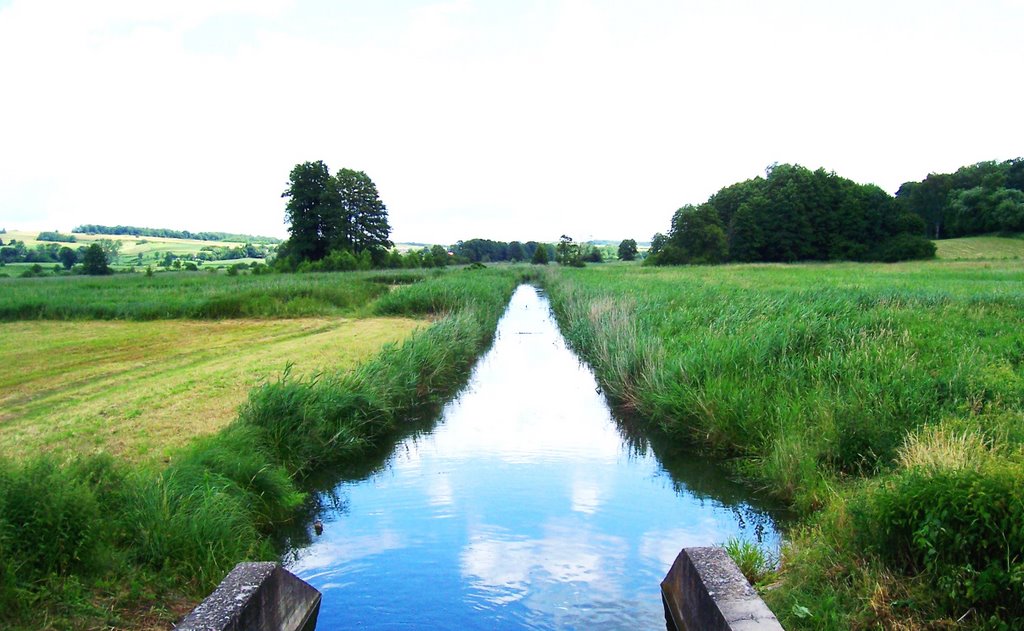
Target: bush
<point>905,247</point>
<point>964,529</point>
<point>50,521</point>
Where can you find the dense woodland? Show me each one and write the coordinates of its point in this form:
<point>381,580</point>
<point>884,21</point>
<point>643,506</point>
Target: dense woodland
<point>977,199</point>
<point>793,214</point>
<point>167,233</point>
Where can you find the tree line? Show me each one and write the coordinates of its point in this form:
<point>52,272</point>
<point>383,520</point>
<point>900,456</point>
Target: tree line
<point>977,199</point>
<point>167,233</point>
<point>793,214</point>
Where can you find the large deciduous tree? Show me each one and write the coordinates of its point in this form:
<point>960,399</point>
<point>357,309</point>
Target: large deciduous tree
<point>326,213</point>
<point>628,250</point>
<point>95,261</point>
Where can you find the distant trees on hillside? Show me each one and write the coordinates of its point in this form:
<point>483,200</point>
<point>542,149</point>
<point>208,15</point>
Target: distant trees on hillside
<point>976,199</point>
<point>166,233</point>
<point>488,251</point>
<point>793,214</point>
<point>56,236</point>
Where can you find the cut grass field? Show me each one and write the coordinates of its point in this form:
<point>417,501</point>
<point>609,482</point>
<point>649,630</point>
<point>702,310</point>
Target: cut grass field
<point>140,390</point>
<point>987,247</point>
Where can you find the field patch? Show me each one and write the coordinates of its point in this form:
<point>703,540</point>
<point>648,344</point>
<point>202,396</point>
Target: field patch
<point>142,389</point>
<point>980,248</point>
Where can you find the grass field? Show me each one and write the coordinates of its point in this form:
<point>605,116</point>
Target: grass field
<point>980,248</point>
<point>141,390</point>
<point>193,295</point>
<point>884,402</point>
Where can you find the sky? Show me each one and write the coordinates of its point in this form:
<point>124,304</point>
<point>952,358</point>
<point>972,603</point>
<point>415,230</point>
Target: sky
<point>508,120</point>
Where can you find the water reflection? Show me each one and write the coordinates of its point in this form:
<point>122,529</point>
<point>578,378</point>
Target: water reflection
<point>527,507</point>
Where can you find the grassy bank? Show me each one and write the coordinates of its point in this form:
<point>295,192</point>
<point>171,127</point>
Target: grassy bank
<point>192,295</point>
<point>94,542</point>
<point>883,401</point>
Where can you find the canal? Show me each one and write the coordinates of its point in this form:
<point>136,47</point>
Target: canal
<point>527,506</point>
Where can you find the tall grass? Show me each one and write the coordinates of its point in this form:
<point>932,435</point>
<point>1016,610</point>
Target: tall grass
<point>815,379</point>
<point>191,295</point>
<point>94,521</point>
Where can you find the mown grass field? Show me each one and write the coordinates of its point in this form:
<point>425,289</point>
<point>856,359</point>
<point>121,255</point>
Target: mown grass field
<point>980,248</point>
<point>884,402</point>
<point>141,390</point>
<point>131,246</point>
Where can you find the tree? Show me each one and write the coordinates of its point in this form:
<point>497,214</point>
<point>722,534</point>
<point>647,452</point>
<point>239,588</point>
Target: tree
<point>697,233</point>
<point>312,203</point>
<point>362,223</point>
<point>333,212</point>
<point>68,258</point>
<point>540,255</point>
<point>567,252</point>
<point>94,262</point>
<point>439,255</point>
<point>516,252</point>
<point>628,250</point>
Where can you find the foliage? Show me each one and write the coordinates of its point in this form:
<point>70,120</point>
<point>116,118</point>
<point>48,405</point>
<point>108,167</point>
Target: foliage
<point>328,213</point>
<point>174,234</point>
<point>756,565</point>
<point>56,236</point>
<point>792,214</point>
<point>628,250</point>
<point>975,199</point>
<point>94,262</point>
<point>488,251</point>
<point>568,253</point>
<point>540,256</point>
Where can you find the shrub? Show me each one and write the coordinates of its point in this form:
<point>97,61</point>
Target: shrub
<point>963,528</point>
<point>50,521</point>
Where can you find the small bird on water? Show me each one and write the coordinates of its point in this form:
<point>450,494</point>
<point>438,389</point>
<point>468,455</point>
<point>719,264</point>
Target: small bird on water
<point>318,526</point>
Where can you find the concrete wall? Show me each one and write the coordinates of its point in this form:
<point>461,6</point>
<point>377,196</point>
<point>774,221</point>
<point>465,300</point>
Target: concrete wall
<point>256,597</point>
<point>705,591</point>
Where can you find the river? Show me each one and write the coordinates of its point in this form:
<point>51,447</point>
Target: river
<point>527,506</point>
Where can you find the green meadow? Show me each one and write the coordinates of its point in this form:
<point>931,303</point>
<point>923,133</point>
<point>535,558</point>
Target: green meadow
<point>885,403</point>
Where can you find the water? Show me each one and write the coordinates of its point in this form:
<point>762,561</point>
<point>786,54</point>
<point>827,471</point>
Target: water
<point>526,507</point>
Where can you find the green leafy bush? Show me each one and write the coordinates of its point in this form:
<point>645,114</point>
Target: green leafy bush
<point>963,528</point>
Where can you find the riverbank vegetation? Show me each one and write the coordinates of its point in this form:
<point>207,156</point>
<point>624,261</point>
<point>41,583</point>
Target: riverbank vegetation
<point>94,541</point>
<point>884,402</point>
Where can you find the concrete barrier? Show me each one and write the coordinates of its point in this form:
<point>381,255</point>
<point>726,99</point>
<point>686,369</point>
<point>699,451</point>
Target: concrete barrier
<point>705,591</point>
<point>256,597</point>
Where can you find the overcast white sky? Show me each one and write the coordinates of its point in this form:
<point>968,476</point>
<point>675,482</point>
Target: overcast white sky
<point>507,120</point>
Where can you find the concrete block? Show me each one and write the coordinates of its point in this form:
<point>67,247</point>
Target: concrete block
<point>256,597</point>
<point>705,591</point>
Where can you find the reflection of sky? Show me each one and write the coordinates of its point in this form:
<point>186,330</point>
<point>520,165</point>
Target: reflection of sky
<point>523,509</point>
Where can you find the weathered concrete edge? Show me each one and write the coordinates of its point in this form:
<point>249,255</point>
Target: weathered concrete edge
<point>256,596</point>
<point>705,590</point>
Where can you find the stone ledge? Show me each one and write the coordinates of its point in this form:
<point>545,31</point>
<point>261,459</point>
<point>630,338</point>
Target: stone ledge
<point>705,590</point>
<point>256,597</point>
